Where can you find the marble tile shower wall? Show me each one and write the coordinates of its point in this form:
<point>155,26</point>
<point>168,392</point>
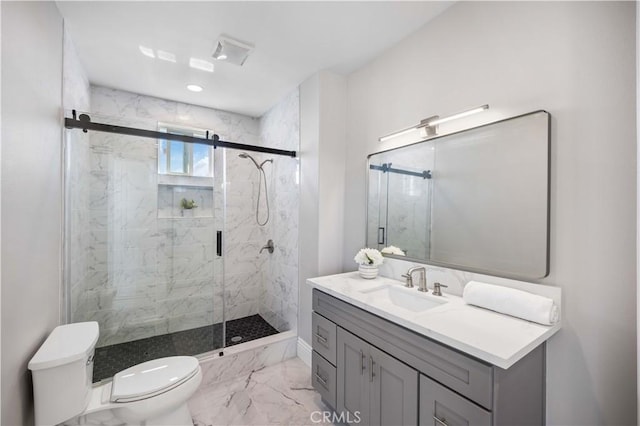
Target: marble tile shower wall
<point>77,219</point>
<point>280,128</point>
<point>76,96</point>
<point>151,275</point>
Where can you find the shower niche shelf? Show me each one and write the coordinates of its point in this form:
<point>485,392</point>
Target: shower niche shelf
<point>170,196</point>
<point>187,181</point>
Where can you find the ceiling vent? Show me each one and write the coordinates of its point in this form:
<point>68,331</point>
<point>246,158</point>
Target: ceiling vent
<point>232,51</point>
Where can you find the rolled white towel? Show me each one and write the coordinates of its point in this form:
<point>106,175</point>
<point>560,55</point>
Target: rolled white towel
<point>510,301</point>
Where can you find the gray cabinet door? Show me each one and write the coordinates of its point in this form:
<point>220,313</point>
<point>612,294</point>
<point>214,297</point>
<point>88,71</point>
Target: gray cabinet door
<point>440,406</point>
<point>394,391</point>
<point>353,382</point>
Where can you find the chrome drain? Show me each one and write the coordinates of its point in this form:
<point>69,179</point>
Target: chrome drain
<point>236,339</point>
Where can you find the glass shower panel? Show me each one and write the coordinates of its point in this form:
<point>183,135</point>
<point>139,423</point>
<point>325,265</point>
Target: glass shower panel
<point>408,211</point>
<point>261,287</point>
<point>141,250</point>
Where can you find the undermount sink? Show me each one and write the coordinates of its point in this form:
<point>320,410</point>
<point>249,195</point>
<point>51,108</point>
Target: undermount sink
<point>405,298</point>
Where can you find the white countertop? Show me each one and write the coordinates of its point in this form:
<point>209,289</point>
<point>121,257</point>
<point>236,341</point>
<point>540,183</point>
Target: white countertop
<point>498,339</point>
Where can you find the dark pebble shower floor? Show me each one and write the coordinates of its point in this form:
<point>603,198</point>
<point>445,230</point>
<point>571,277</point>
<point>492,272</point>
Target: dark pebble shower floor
<point>114,358</point>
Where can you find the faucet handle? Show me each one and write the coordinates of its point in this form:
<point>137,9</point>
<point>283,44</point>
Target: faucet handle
<point>409,282</point>
<point>437,289</point>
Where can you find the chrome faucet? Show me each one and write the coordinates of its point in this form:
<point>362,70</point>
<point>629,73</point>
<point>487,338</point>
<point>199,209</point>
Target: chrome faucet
<point>422,281</point>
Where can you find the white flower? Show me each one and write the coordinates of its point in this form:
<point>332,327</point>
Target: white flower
<point>393,250</point>
<point>369,256</point>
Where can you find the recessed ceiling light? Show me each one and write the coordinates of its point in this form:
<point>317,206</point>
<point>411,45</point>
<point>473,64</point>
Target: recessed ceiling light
<point>166,56</point>
<point>201,64</point>
<point>147,51</point>
<point>194,88</point>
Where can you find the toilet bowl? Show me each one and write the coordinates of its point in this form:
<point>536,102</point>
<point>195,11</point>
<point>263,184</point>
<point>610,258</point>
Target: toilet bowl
<point>153,393</point>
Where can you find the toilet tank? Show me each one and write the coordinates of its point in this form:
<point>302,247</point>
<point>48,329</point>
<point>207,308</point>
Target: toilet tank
<point>62,371</point>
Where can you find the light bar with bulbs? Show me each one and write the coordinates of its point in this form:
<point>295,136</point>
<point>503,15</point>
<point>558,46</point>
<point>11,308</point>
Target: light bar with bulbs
<point>428,125</point>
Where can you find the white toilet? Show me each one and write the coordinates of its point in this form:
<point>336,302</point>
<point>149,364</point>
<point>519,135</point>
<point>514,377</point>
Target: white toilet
<point>153,393</point>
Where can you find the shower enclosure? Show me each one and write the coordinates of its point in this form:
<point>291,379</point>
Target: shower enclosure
<point>400,197</point>
<point>163,245</point>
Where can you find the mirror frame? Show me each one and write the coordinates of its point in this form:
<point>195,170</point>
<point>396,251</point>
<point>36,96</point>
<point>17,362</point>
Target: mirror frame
<point>463,267</point>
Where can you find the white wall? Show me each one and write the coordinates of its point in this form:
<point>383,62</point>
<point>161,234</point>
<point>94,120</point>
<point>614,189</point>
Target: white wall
<point>31,192</point>
<point>576,60</point>
<point>322,169</point>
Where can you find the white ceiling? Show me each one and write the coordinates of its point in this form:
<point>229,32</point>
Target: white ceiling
<point>293,40</point>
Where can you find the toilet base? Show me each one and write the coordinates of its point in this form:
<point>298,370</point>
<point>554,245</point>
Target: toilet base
<point>179,417</point>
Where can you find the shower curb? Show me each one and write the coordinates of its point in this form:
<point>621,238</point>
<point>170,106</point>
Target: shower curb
<point>246,357</point>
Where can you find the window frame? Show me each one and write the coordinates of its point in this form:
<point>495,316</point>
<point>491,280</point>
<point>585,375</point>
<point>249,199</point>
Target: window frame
<point>188,165</point>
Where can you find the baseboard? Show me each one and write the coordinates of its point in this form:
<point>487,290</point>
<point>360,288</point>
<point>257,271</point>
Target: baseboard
<point>304,351</point>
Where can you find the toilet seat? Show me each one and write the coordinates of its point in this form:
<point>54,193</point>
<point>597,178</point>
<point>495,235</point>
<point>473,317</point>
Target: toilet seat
<point>152,378</point>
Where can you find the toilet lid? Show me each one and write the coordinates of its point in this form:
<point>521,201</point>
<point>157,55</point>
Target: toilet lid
<point>152,378</point>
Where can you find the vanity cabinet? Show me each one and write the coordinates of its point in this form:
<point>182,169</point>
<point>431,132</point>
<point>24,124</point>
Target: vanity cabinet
<point>364,363</point>
<point>372,385</point>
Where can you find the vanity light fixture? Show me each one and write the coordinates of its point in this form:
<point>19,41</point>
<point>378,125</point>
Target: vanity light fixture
<point>428,126</point>
<point>194,88</point>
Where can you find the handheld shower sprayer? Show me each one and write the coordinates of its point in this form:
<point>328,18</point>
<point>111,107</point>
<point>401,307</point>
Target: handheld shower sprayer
<point>263,177</point>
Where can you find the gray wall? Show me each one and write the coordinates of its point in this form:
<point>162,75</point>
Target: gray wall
<point>576,60</point>
<point>31,192</point>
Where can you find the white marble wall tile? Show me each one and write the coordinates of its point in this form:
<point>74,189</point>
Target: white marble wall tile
<point>171,196</point>
<point>280,128</point>
<point>241,310</point>
<point>113,103</point>
<point>234,364</point>
<point>75,83</point>
<point>188,322</point>
<point>76,95</point>
<point>146,274</point>
<point>455,279</point>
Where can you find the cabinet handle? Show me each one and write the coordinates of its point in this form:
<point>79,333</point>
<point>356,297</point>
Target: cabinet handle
<point>321,338</point>
<point>442,422</point>
<point>321,380</point>
<point>371,373</point>
<point>362,366</point>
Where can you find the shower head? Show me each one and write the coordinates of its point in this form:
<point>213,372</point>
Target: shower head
<point>245,155</point>
<point>259,166</point>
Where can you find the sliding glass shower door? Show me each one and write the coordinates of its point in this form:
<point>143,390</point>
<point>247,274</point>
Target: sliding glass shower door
<point>141,255</point>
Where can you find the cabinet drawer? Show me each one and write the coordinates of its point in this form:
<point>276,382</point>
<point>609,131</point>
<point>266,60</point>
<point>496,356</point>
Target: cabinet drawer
<point>323,378</point>
<point>324,337</point>
<point>440,406</point>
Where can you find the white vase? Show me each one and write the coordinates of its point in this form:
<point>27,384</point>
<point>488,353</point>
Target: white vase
<point>368,272</point>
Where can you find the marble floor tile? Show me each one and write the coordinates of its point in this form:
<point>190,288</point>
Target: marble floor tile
<point>280,394</point>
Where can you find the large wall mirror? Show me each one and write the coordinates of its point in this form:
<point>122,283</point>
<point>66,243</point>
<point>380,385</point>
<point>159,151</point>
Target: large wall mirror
<point>475,200</point>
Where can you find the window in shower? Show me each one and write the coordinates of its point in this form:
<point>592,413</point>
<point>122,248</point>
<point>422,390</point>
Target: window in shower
<point>184,159</point>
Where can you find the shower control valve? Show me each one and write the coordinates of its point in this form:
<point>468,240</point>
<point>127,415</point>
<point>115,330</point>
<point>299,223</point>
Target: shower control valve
<point>270,247</point>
